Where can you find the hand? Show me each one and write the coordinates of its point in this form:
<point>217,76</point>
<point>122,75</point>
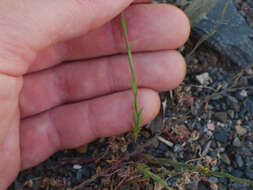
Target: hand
<point>64,74</point>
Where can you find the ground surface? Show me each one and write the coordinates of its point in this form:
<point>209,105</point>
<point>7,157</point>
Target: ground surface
<point>206,122</point>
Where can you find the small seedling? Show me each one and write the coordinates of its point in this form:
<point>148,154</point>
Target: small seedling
<point>133,82</point>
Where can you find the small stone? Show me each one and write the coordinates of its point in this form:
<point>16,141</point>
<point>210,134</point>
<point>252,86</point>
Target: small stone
<point>87,172</point>
<point>132,147</point>
<point>204,78</point>
<point>79,175</point>
<point>177,148</point>
<point>234,103</point>
<point>249,173</point>
<point>237,173</point>
<point>123,148</point>
<point>231,114</point>
<point>162,147</point>
<point>210,126</point>
<point>240,130</point>
<point>213,179</point>
<point>236,107</point>
<point>249,71</point>
<point>243,94</point>
<point>248,105</point>
<point>77,167</point>
<point>221,116</point>
<point>214,168</point>
<point>239,160</point>
<point>29,184</point>
<point>221,136</point>
<point>225,159</point>
<point>237,142</point>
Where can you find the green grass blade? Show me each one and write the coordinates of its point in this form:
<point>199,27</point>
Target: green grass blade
<point>204,171</point>
<point>133,82</point>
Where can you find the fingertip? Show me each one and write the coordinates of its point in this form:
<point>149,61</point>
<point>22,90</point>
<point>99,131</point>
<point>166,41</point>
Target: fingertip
<point>179,68</point>
<point>180,22</point>
<point>185,27</point>
<point>150,102</point>
<point>170,69</point>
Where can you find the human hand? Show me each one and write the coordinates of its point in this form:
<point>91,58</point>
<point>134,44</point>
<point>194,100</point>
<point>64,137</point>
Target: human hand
<point>64,73</point>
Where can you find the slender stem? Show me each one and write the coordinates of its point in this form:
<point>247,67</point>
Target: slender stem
<point>137,112</point>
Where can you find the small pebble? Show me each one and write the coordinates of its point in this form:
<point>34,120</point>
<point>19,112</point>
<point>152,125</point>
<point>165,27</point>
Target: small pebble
<point>237,173</point>
<point>177,148</point>
<point>213,179</point>
<point>79,175</point>
<point>210,126</point>
<point>231,114</point>
<point>237,142</point>
<point>204,78</point>
<point>77,167</point>
<point>240,130</point>
<point>221,116</point>
<point>243,94</point>
<point>225,159</point>
<point>239,160</point>
<point>221,136</point>
<point>132,147</point>
<point>249,173</point>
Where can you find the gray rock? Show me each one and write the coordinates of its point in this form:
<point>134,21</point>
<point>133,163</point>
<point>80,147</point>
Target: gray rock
<point>248,105</point>
<point>234,103</point>
<point>237,142</point>
<point>231,114</point>
<point>213,179</point>
<point>239,160</point>
<point>237,173</point>
<point>204,78</point>
<point>233,39</point>
<point>221,136</point>
<point>249,173</point>
<point>221,116</point>
<point>225,159</point>
<point>241,95</point>
<point>177,148</point>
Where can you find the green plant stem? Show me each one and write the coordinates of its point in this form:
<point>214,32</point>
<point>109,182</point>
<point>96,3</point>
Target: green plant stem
<point>204,171</point>
<point>137,111</point>
<point>148,174</point>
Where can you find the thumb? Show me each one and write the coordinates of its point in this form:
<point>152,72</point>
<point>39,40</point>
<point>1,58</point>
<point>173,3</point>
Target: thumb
<point>28,26</point>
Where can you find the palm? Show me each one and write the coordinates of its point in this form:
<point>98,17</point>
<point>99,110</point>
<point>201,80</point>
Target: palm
<point>57,106</point>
